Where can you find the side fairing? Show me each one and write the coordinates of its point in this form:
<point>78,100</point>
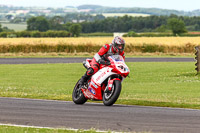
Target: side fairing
<point>101,75</point>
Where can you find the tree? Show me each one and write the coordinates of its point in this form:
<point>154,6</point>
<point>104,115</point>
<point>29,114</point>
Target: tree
<point>75,29</point>
<point>56,23</point>
<point>66,26</point>
<point>162,28</point>
<point>176,25</point>
<point>1,28</point>
<point>37,23</point>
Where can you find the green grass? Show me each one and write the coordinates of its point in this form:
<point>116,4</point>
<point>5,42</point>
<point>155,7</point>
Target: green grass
<point>164,84</point>
<point>14,129</point>
<point>89,55</point>
<point>16,27</point>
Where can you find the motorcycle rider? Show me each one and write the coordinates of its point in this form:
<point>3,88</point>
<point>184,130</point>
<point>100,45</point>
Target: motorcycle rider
<point>115,48</point>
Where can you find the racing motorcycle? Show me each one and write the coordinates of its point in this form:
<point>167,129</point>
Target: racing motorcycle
<point>103,85</point>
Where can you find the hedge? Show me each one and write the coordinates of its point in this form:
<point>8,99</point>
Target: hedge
<point>35,34</point>
<point>69,48</point>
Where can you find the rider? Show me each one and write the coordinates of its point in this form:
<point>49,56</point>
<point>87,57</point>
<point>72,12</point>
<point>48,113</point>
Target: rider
<point>115,48</point>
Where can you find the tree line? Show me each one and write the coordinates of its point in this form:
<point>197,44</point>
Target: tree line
<point>118,24</point>
<point>140,24</point>
<point>177,24</point>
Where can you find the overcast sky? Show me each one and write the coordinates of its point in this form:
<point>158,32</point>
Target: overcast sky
<point>186,5</point>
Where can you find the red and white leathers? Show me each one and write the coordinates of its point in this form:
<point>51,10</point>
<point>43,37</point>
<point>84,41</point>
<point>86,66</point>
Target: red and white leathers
<point>103,53</point>
<point>115,48</point>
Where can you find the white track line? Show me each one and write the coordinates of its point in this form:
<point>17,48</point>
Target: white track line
<point>72,129</point>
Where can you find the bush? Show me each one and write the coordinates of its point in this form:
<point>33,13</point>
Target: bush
<point>96,34</point>
<point>35,34</point>
<point>153,34</point>
<point>50,33</point>
<point>190,35</point>
<point>24,34</point>
<point>11,35</point>
<point>132,34</point>
<point>62,34</point>
<point>150,34</point>
<point>3,34</point>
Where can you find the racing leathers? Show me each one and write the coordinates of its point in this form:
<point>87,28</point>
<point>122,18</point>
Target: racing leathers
<point>100,58</point>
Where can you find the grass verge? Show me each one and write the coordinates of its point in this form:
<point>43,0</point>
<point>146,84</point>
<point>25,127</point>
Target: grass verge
<point>166,84</point>
<point>86,54</point>
<point>18,129</point>
<point>15,129</point>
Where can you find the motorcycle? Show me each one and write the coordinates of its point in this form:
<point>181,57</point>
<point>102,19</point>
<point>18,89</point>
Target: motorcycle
<point>104,85</point>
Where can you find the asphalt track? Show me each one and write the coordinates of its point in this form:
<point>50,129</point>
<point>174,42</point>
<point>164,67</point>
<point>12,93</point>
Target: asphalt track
<point>62,114</point>
<point>79,60</point>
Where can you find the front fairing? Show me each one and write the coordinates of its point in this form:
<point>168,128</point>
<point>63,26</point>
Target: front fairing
<point>119,66</point>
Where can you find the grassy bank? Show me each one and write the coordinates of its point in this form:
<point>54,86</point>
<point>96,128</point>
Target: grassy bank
<point>152,84</point>
<point>15,129</point>
<point>90,55</point>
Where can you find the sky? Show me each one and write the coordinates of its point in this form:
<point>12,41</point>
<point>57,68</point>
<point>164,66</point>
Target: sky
<point>184,5</point>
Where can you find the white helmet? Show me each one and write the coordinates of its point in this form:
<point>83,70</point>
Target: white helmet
<point>118,44</point>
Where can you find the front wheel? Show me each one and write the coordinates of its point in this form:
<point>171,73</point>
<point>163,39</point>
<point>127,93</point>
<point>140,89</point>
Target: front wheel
<point>109,98</point>
<point>77,95</point>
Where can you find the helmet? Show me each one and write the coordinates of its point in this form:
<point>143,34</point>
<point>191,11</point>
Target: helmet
<point>118,44</point>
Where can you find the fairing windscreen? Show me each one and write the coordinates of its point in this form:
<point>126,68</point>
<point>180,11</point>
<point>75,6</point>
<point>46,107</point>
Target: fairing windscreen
<point>117,58</point>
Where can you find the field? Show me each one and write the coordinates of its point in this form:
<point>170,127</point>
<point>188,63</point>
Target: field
<point>166,41</point>
<point>134,45</point>
<point>16,27</point>
<point>151,84</point>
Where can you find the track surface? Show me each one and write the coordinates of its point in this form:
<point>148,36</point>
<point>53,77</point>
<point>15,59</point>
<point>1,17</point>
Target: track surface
<point>50,113</point>
<point>79,60</point>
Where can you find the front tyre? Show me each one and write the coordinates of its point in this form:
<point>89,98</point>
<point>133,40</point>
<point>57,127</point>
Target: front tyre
<point>110,98</point>
<point>77,95</point>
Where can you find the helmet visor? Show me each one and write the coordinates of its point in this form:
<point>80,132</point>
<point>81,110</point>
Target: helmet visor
<point>120,47</point>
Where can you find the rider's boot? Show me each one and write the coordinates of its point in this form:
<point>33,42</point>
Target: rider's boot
<point>84,78</point>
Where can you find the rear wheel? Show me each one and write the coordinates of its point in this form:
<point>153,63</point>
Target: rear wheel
<point>109,98</point>
<point>77,95</point>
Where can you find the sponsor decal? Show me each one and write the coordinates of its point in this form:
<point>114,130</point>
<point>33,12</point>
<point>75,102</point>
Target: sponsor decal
<point>92,90</point>
<point>94,85</point>
<point>120,63</point>
<point>104,73</point>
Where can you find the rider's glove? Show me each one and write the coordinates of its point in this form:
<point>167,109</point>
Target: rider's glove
<point>108,63</point>
<point>103,62</point>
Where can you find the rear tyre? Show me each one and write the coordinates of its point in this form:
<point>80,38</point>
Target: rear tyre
<point>77,95</point>
<point>110,98</point>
